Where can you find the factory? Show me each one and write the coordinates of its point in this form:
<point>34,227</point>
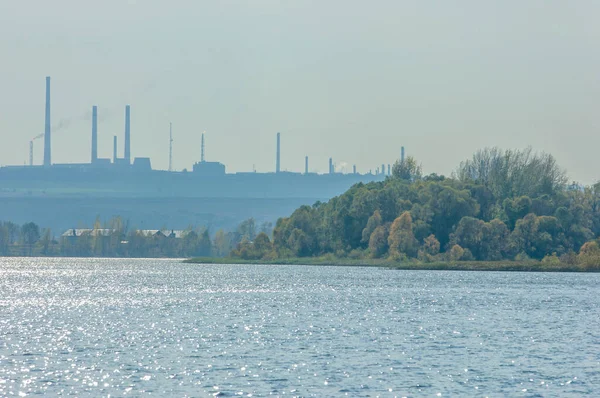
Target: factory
<point>141,163</point>
<point>202,168</point>
<point>61,196</point>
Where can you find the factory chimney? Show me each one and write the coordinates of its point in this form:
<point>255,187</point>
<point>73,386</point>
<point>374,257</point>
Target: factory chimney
<point>202,159</point>
<point>170,146</point>
<point>354,169</point>
<point>306,165</point>
<point>127,135</point>
<point>94,134</point>
<point>115,149</point>
<point>278,160</point>
<point>47,130</point>
<point>330,165</point>
<point>402,155</point>
<point>31,153</point>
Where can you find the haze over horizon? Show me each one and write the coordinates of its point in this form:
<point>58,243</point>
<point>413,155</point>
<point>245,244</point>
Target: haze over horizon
<point>348,80</point>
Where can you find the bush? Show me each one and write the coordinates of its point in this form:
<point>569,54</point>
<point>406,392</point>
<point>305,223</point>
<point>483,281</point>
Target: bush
<point>340,253</point>
<point>356,254</point>
<point>552,260</point>
<point>398,257</point>
<point>569,258</point>
<point>456,253</point>
<point>270,256</point>
<point>467,255</point>
<point>522,257</point>
<point>589,256</point>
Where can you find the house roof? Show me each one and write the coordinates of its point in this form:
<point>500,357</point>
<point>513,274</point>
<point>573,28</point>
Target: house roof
<point>88,231</point>
<point>77,232</point>
<point>173,233</point>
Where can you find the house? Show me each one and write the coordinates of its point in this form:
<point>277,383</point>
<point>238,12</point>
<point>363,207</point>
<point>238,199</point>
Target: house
<point>73,235</point>
<point>164,233</point>
<point>76,233</point>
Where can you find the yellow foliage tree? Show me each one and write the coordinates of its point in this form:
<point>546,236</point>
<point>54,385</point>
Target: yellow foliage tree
<point>401,238</point>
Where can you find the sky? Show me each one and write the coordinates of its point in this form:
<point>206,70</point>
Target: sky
<point>352,80</point>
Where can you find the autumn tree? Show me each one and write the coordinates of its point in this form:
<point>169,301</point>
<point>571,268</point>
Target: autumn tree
<point>430,249</point>
<point>378,241</point>
<point>401,238</point>
<point>589,256</point>
<point>374,221</point>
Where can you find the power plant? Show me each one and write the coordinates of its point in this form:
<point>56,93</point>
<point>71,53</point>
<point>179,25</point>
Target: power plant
<point>70,194</point>
<point>144,163</point>
<point>278,161</point>
<point>47,129</point>
<point>141,163</point>
<point>94,134</point>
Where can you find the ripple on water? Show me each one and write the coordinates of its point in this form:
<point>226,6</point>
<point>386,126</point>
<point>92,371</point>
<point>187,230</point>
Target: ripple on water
<point>107,326</point>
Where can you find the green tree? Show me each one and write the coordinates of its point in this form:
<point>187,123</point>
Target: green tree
<point>494,243</point>
<point>514,173</point>
<point>266,228</point>
<point>4,239</point>
<point>204,244</point>
<point>30,234</point>
<point>46,241</point>
<point>408,170</point>
<point>515,209</point>
<point>247,229</point>
<point>299,243</point>
<point>469,235</point>
<point>190,244</point>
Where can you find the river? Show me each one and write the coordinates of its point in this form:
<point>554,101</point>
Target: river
<point>100,327</point>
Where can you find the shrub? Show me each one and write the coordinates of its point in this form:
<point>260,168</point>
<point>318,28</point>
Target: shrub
<point>356,254</point>
<point>552,260</point>
<point>589,256</point>
<point>456,253</point>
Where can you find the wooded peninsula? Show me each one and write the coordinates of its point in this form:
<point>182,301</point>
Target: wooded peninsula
<point>501,209</point>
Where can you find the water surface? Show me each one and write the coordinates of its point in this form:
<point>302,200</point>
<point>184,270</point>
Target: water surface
<point>104,327</point>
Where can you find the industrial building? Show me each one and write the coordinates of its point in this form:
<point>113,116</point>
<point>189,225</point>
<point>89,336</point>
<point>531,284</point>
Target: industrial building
<point>60,196</point>
<point>202,168</point>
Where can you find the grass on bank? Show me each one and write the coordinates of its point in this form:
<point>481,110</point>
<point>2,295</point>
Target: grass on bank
<point>529,265</point>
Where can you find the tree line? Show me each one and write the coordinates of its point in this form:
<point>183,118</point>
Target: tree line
<point>116,239</point>
<point>498,205</point>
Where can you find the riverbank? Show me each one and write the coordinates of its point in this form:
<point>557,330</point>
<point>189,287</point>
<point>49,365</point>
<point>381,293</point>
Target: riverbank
<point>523,266</point>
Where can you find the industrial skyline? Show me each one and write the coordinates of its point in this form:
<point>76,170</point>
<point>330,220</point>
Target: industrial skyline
<point>348,80</point>
<point>96,161</point>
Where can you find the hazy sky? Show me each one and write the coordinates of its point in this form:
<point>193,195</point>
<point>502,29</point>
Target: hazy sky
<point>353,80</point>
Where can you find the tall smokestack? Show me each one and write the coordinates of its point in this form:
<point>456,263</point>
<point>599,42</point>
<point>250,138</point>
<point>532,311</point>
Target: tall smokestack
<point>389,170</point>
<point>202,159</point>
<point>354,169</point>
<point>306,165</point>
<point>94,134</point>
<point>402,155</point>
<point>127,134</point>
<point>278,161</point>
<point>47,130</point>
<point>31,153</point>
<point>170,146</point>
<point>115,149</point>
<point>330,165</point>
